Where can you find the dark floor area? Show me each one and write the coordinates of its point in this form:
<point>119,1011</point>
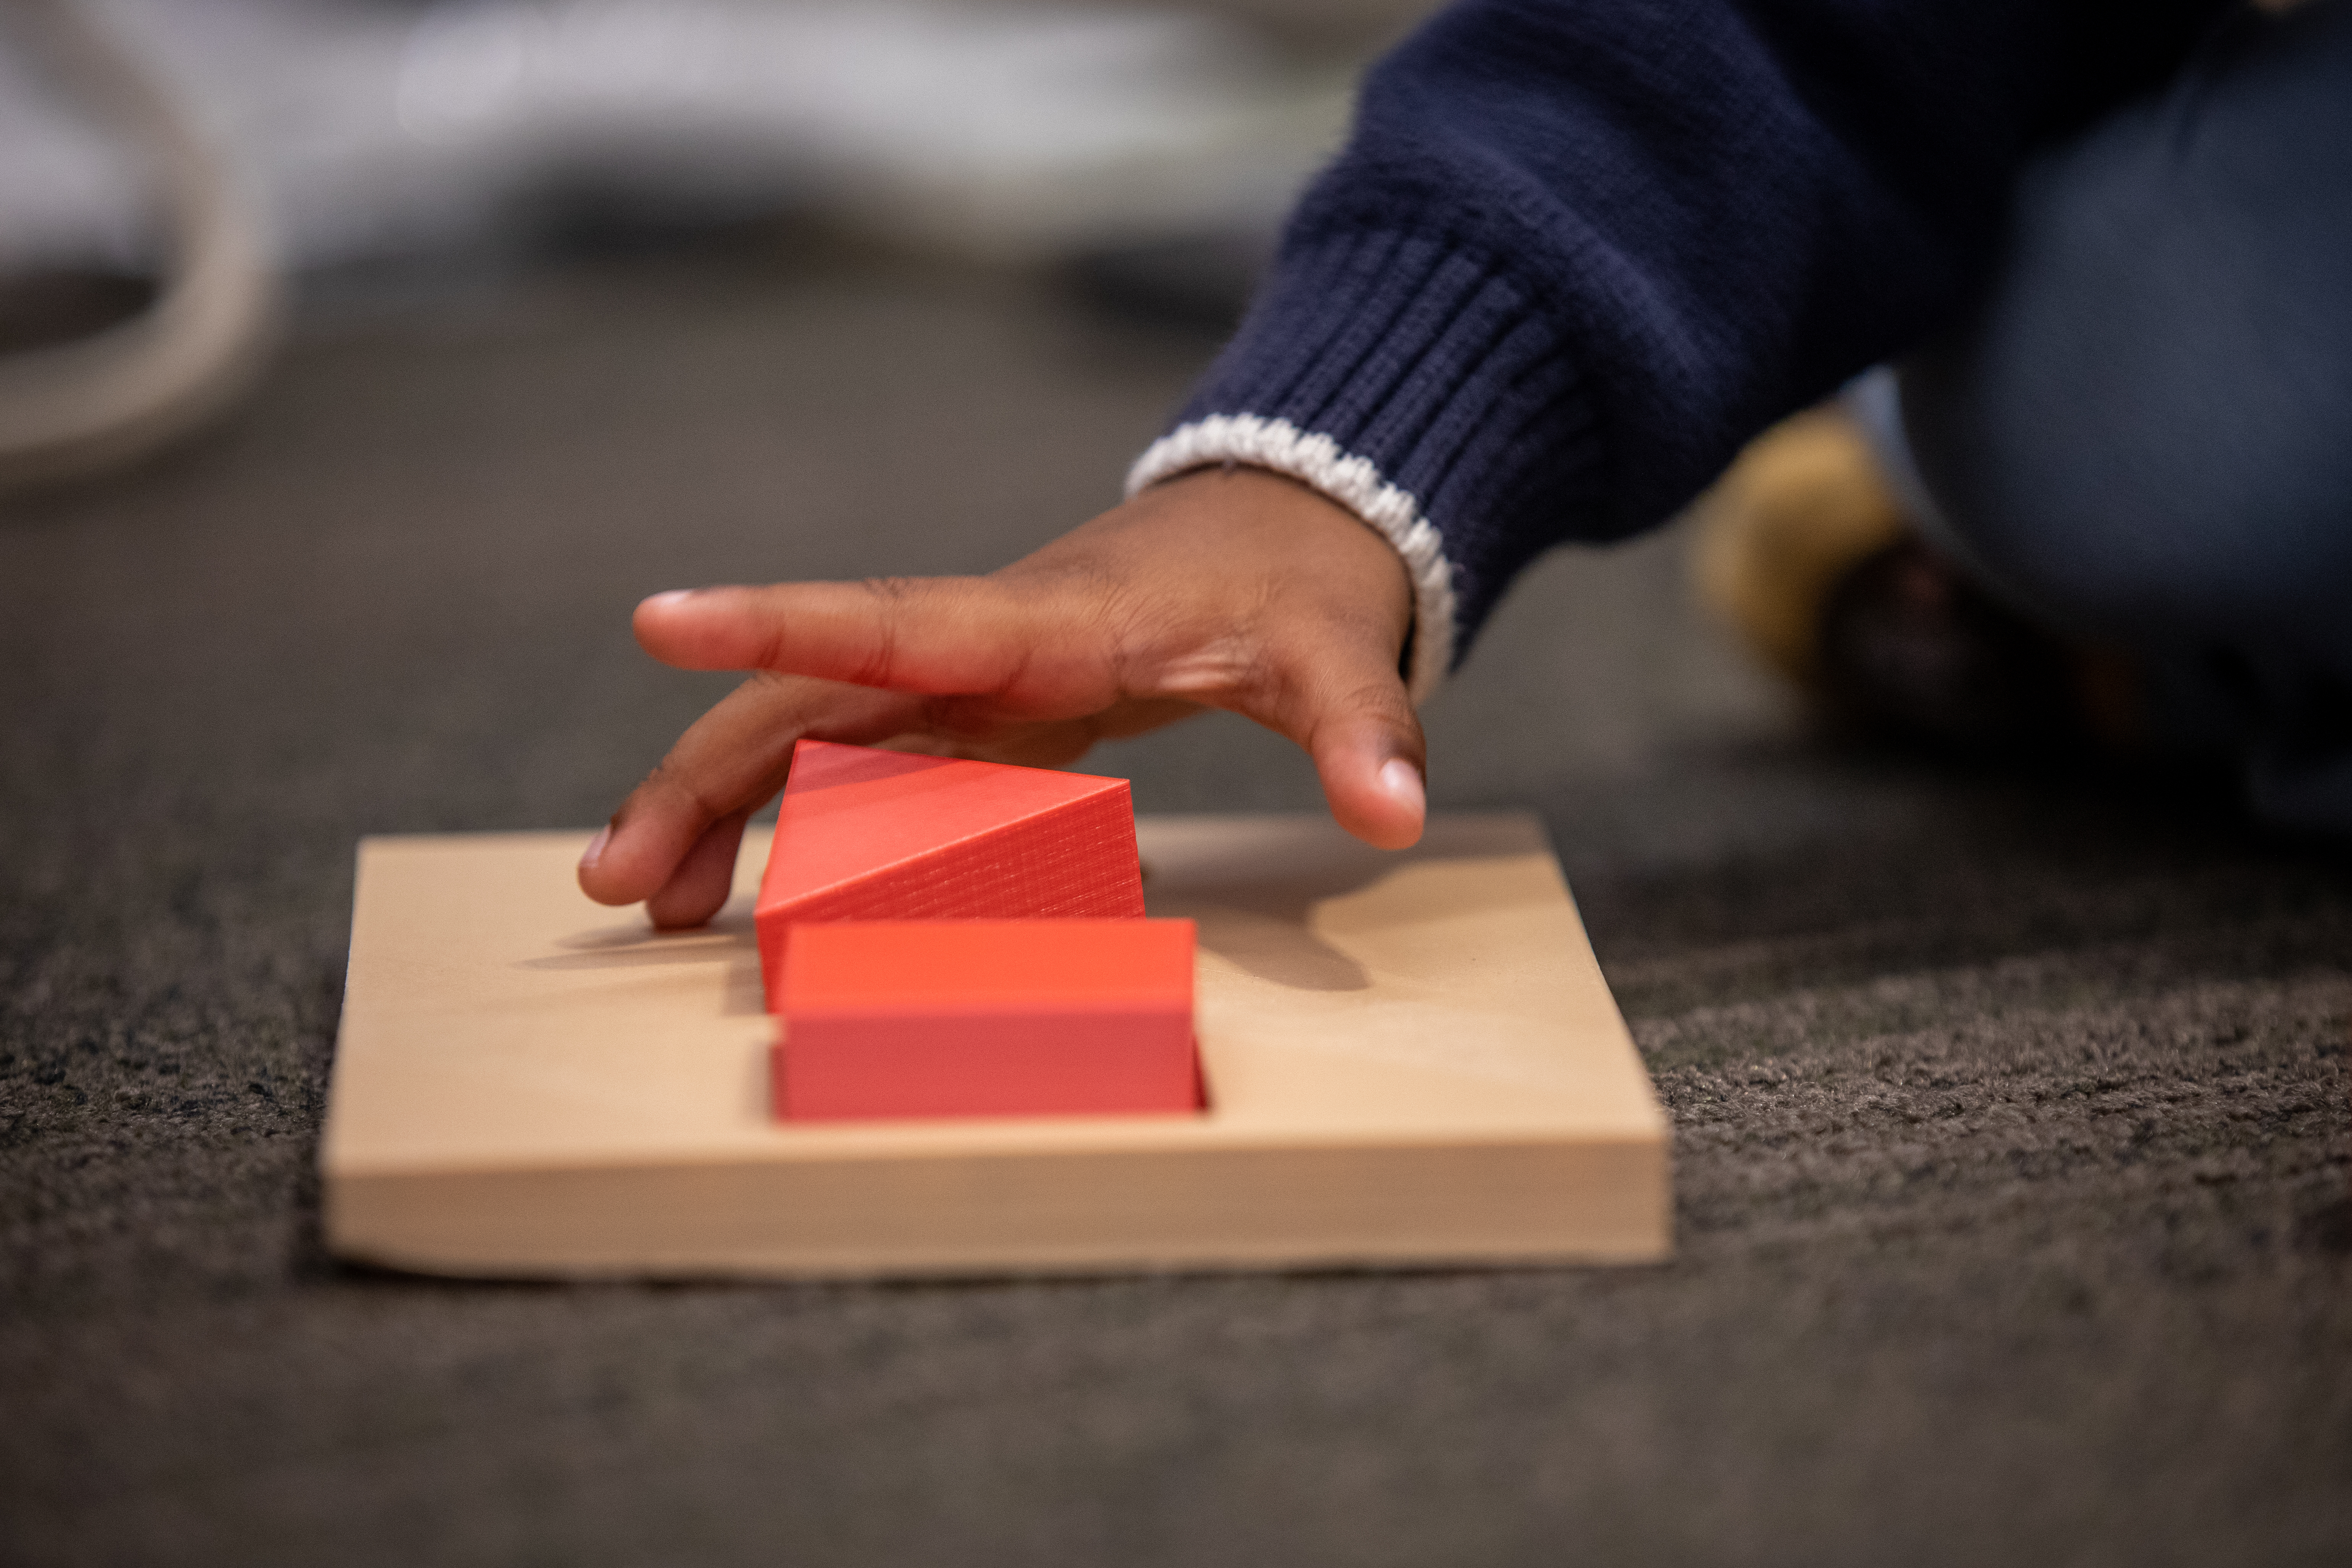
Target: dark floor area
<point>2013,1127</point>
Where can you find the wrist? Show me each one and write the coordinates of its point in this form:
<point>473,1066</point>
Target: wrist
<point>1348,485</point>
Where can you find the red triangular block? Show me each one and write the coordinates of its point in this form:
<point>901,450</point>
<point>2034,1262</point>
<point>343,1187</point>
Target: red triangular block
<point>865,834</point>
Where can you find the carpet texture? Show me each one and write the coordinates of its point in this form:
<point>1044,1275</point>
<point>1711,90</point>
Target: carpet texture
<point>2013,1151</point>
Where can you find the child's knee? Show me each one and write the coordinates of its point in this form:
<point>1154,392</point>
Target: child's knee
<point>2141,426</point>
<point>2188,522</point>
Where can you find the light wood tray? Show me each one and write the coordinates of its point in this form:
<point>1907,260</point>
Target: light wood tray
<point>1411,1059</point>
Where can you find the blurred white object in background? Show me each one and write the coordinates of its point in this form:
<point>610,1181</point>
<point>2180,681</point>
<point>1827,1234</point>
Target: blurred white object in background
<point>112,395</point>
<point>1006,132</point>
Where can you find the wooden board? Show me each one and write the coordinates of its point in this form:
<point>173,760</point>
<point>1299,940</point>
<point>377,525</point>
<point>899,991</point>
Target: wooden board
<point>1412,1059</point>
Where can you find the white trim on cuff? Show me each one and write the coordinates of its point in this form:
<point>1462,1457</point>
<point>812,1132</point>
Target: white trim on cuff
<point>1351,481</point>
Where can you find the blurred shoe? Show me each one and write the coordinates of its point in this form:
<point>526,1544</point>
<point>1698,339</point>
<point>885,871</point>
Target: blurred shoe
<point>1911,649</point>
<point>1802,506</point>
<point>1804,551</point>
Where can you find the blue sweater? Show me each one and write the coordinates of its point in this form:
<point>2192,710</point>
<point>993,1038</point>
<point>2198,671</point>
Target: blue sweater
<point>1578,252</point>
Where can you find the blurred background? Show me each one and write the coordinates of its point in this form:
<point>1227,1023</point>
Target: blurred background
<point>374,132</point>
<point>563,301</point>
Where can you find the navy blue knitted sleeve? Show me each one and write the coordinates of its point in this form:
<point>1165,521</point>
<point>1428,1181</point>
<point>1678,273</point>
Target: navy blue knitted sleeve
<point>1577,252</point>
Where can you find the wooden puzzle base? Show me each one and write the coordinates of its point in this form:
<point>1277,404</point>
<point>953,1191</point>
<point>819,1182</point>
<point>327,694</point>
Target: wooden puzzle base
<point>1411,1059</point>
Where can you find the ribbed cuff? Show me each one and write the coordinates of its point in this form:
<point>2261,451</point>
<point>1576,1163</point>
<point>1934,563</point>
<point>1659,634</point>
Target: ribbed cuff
<point>1352,482</point>
<point>1424,388</point>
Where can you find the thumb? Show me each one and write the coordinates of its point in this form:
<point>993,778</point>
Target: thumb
<point>1348,708</point>
<point>1372,772</point>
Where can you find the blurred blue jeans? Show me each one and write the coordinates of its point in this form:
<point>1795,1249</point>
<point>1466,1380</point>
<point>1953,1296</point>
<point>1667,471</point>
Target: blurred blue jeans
<point>2142,433</point>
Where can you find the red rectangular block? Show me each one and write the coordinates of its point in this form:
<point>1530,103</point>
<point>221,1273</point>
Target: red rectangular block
<point>926,1018</point>
<point>868,834</point>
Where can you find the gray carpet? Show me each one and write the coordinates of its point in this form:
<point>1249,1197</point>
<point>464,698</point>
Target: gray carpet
<point>2011,1126</point>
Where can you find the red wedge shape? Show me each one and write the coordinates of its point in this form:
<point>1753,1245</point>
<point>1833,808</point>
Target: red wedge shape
<point>935,1019</point>
<point>884,836</point>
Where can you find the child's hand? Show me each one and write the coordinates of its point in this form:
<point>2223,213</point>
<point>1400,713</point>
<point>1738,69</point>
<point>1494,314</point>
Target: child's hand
<point>1224,589</point>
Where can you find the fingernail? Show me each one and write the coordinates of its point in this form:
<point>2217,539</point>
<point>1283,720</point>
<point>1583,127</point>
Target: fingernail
<point>673,596</point>
<point>595,851</point>
<point>1402,781</point>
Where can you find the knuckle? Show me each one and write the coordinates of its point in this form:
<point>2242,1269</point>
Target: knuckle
<point>1376,699</point>
<point>879,659</point>
<point>1257,679</point>
<point>672,779</point>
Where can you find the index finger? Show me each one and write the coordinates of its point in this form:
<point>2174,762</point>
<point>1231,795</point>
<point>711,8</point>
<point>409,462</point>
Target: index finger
<point>934,635</point>
<point>729,763</point>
